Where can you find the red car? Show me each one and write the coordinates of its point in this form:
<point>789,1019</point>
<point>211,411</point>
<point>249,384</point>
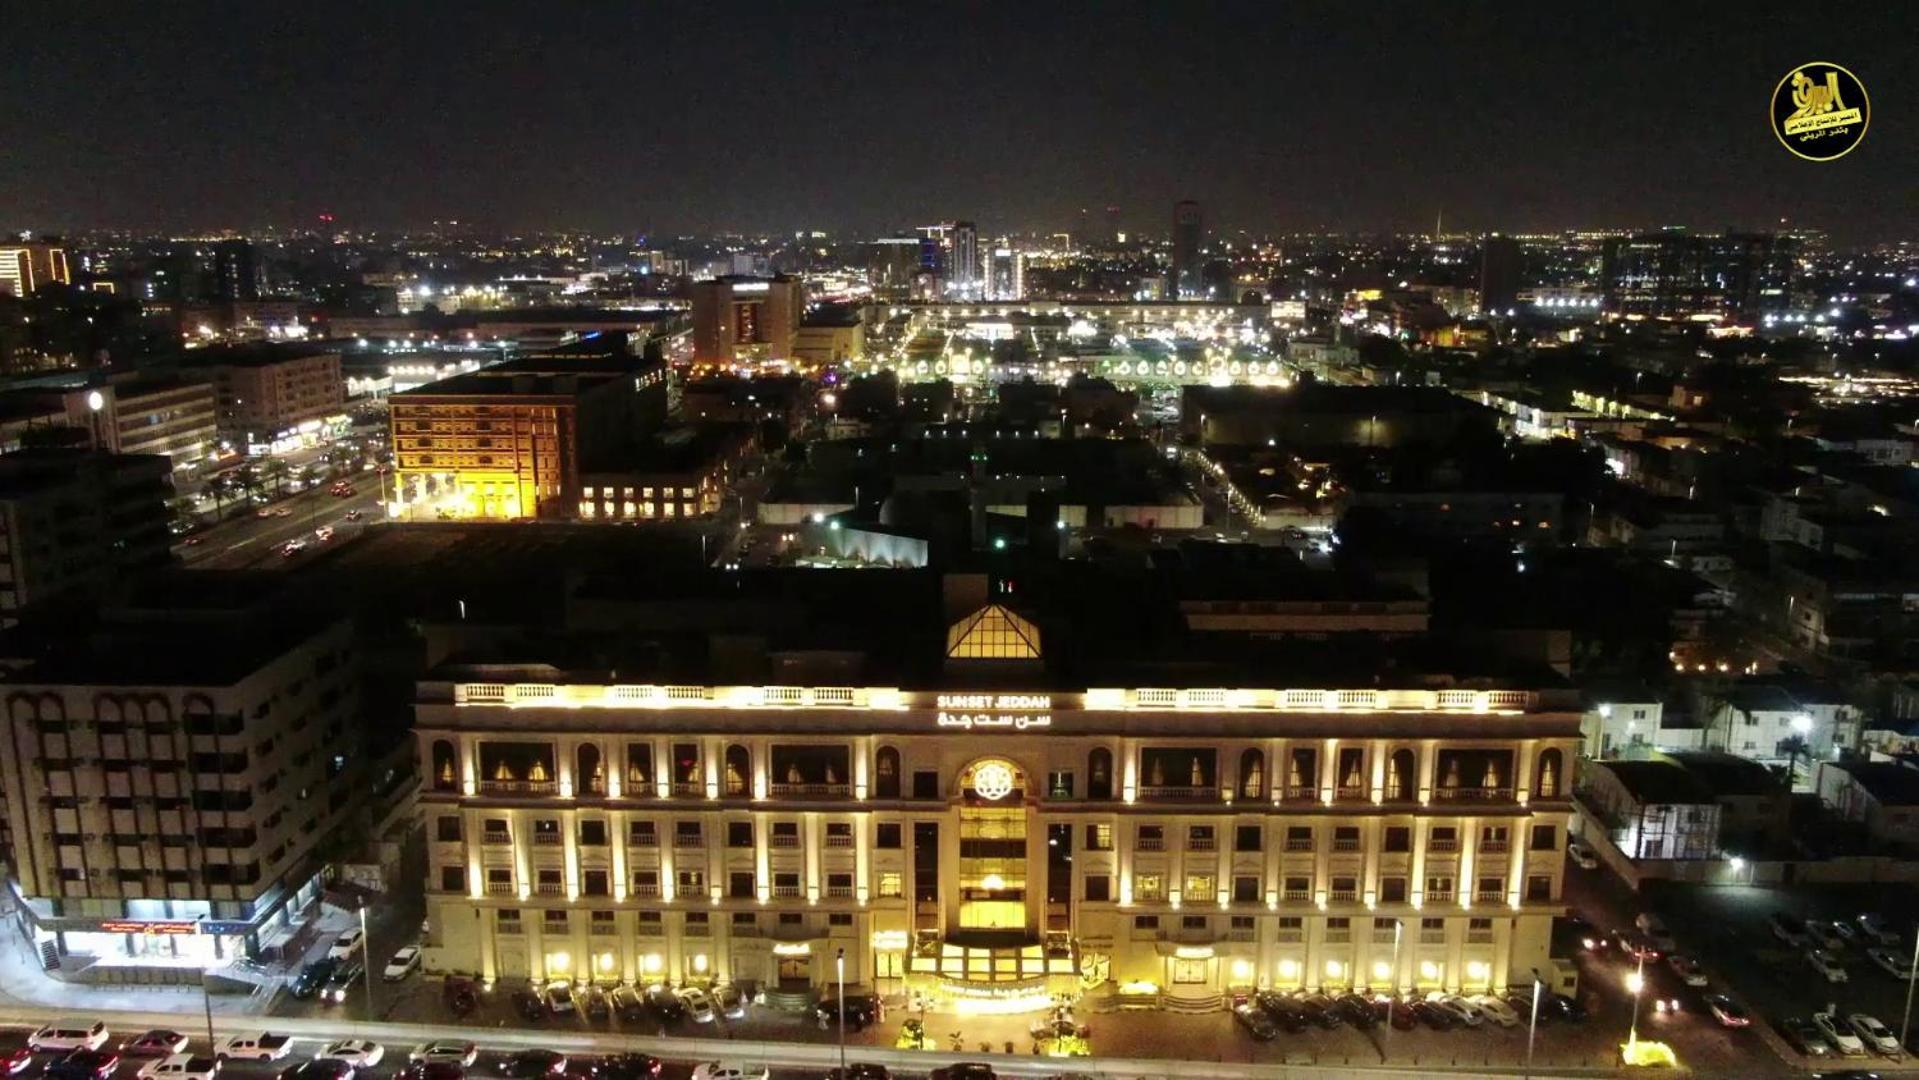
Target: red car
<point>18,1060</point>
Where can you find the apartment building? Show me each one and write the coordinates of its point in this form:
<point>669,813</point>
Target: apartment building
<point>72,520</point>
<point>279,396</point>
<point>172,777</point>
<point>986,842</point>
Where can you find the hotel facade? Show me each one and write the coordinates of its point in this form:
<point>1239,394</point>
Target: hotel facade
<point>995,845</point>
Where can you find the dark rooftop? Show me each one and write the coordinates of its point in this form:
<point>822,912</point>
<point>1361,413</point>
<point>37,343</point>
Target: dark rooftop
<point>1658,783</point>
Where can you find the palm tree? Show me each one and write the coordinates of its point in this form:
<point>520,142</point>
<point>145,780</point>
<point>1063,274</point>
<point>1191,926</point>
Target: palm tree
<point>216,489</point>
<point>276,471</point>
<point>1794,746</point>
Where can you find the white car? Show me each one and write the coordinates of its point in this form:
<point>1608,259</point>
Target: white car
<point>1495,1010</point>
<point>1824,935</point>
<point>1460,1009</point>
<point>359,1053</point>
<point>64,1035</point>
<point>730,1002</point>
<point>1823,962</point>
<point>1841,1039</point>
<point>728,1070</point>
<point>1875,929</point>
<point>699,1006</point>
<point>1895,964</point>
<point>1655,930</point>
<point>1787,928</point>
<point>402,964</point>
<point>1582,856</point>
<point>254,1045</point>
<point>345,945</point>
<point>446,1051</point>
<point>1687,969</point>
<point>1874,1034</point>
<point>180,1067</point>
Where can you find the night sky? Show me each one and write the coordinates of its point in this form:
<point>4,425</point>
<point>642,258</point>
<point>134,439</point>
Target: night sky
<point>707,116</point>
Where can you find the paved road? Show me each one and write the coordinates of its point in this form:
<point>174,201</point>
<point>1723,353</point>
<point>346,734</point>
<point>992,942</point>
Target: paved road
<point>249,540</point>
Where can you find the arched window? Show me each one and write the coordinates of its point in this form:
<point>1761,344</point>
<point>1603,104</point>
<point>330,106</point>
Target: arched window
<point>739,771</point>
<point>1551,774</point>
<point>1402,776</point>
<point>886,773</point>
<point>1099,773</point>
<point>446,767</point>
<point>589,771</point>
<point>1252,774</point>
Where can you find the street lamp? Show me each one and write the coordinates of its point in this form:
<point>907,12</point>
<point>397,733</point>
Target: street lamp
<point>1392,990</point>
<point>366,965</point>
<point>1905,1025</point>
<point>1635,983</point>
<point>839,965</point>
<point>1532,1025</point>
<point>206,996</point>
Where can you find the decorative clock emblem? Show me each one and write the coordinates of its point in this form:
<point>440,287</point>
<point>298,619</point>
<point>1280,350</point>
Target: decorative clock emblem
<point>993,780</point>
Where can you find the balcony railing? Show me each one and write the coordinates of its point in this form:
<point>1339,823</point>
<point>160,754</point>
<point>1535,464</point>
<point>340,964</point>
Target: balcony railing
<point>643,839</point>
<point>1339,937</point>
<point>689,840</point>
<point>839,892</point>
<point>1289,935</point>
<point>1345,844</point>
<point>1383,937</point>
<point>1473,794</point>
<point>783,840</point>
<point>1479,937</point>
<point>1240,933</point>
<point>1298,794</point>
<point>549,888</point>
<point>699,929</point>
<point>508,928</point>
<point>519,787</point>
<point>1150,843</point>
<point>1489,896</point>
<point>839,841</point>
<point>734,789</point>
<point>1297,894</point>
<point>1350,793</point>
<point>1202,843</point>
<point>652,928</point>
<point>687,787</point>
<point>646,892</point>
<point>786,892</point>
<point>546,839</point>
<point>1176,793</point>
<point>594,787</point>
<point>599,928</point>
<point>1299,845</point>
<point>1343,896</point>
<point>1436,896</point>
<point>812,791</point>
<point>1494,847</point>
<point>1436,846</point>
<point>1432,937</point>
<point>499,888</point>
<point>495,838</point>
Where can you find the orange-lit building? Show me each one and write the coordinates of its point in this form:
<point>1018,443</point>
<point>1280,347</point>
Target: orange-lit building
<point>27,265</point>
<point>740,320</point>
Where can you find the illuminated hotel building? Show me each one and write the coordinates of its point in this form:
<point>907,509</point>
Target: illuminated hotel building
<point>740,320</point>
<point>26,266</point>
<point>987,842</point>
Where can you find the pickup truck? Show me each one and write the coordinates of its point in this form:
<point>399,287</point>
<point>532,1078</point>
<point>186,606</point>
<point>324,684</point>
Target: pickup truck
<point>181,1067</point>
<point>257,1045</point>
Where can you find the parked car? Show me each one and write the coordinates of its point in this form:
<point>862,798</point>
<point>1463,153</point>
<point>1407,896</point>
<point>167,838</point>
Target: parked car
<point>1825,935</point>
<point>1285,1011</point>
<point>533,1064</point>
<point>1877,1036</point>
<point>403,964</point>
<point>1461,1009</point>
<point>593,1003</point>
<point>1874,929</point>
<point>431,1070</point>
<point>528,1005</point>
<point>699,1006</point>
<point>1826,965</point>
<point>256,1045</point>
<point>346,944</point>
<point>452,1051</point>
<point>359,1053</point>
<point>862,1010</point>
<point>728,1070</point>
<point>1357,1010</point>
<point>84,1065</point>
<point>16,1059</point>
<point>1562,1007</point>
<point>1582,856</point>
<point>340,986</point>
<point>1687,969</point>
<point>860,1070</point>
<point>1835,1032</point>
<point>1639,946</point>
<point>665,1004</point>
<point>159,1042</point>
<point>1787,928</point>
<point>559,998</point>
<point>1803,1036</point>
<point>1497,1011</point>
<point>1319,1010</point>
<point>628,1067</point>
<point>312,978</point>
<point>730,1001</point>
<point>1521,1003</point>
<point>1655,930</point>
<point>180,1067</point>
<point>318,1069</point>
<point>965,1070</point>
<point>1433,1016</point>
<point>1896,964</point>
<point>627,1004</point>
<point>1254,1020</point>
<point>1728,1012</point>
<point>68,1035</point>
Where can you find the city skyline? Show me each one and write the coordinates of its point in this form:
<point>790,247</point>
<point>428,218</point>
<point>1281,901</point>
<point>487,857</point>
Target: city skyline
<point>401,119</point>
